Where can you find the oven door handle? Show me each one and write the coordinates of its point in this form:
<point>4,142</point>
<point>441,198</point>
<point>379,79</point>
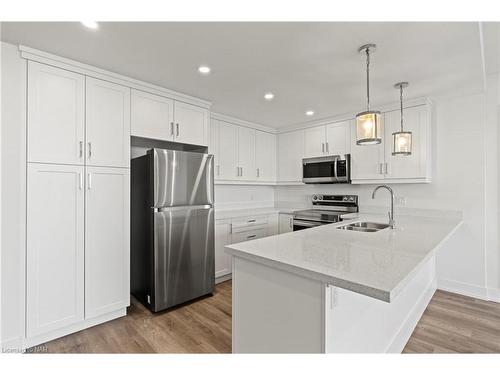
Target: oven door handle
<point>335,169</point>
<point>307,224</point>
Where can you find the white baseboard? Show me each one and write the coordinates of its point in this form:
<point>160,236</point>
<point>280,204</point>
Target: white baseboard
<point>221,279</point>
<point>470,290</point>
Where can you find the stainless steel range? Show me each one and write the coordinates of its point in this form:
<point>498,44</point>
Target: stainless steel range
<point>326,209</point>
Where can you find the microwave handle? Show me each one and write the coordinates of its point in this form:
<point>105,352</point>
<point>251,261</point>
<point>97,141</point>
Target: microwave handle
<point>335,169</point>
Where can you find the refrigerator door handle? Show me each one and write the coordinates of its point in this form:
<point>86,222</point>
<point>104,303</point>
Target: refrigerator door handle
<point>182,208</point>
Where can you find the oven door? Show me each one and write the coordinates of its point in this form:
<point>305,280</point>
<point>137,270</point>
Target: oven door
<point>319,170</point>
<point>305,224</point>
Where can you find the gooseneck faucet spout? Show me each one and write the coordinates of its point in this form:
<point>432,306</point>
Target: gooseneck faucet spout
<point>391,214</point>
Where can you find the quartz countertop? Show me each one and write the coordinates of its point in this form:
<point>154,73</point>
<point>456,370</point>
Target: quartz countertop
<point>221,214</point>
<point>376,264</point>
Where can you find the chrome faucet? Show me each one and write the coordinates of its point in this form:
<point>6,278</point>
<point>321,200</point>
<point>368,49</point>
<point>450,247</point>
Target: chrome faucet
<point>391,214</point>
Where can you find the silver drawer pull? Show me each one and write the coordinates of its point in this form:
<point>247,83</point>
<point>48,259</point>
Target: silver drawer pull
<point>251,221</point>
<point>81,149</point>
<point>252,236</point>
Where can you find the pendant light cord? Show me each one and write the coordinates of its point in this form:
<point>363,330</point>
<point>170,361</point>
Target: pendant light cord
<point>368,78</point>
<point>401,101</point>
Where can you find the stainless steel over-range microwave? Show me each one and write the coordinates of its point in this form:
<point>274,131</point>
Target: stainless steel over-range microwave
<point>327,169</point>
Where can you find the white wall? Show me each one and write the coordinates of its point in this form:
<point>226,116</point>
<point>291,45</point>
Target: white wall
<point>13,194</point>
<point>458,184</point>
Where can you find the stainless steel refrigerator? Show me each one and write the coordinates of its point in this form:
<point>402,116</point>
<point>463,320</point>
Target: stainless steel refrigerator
<point>172,227</point>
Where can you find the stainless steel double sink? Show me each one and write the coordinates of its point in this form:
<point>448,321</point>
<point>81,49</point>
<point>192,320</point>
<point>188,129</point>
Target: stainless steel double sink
<point>364,226</point>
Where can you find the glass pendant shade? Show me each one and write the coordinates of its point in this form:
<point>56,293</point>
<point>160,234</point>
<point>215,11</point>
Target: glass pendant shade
<point>401,143</point>
<point>368,128</point>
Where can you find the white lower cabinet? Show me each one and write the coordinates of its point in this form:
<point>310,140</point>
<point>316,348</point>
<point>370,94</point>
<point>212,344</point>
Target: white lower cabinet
<point>77,244</point>
<point>222,238</point>
<point>106,240</point>
<point>285,223</point>
<point>55,247</point>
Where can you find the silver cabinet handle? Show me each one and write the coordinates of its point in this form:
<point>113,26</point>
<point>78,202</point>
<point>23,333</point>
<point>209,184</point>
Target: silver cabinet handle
<point>89,181</point>
<point>323,148</point>
<point>218,170</point>
<point>258,172</point>
<point>252,236</point>
<point>177,129</point>
<point>172,128</point>
<point>80,176</point>
<point>81,149</point>
<point>327,148</point>
<point>251,221</point>
<point>385,168</point>
<point>291,222</point>
<point>90,149</point>
<point>241,171</point>
<point>380,168</point>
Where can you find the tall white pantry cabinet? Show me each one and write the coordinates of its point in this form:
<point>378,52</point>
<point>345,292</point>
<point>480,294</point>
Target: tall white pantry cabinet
<point>78,193</point>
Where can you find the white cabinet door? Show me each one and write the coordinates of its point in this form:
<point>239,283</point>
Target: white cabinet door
<point>265,156</point>
<point>191,124</point>
<point>107,124</point>
<point>228,151</point>
<point>338,138</point>
<point>246,153</point>
<point>414,165</point>
<point>152,116</point>
<point>107,244</point>
<point>367,161</point>
<point>55,247</point>
<point>314,142</point>
<point>56,115</point>
<point>285,223</point>
<point>222,238</point>
<point>290,151</point>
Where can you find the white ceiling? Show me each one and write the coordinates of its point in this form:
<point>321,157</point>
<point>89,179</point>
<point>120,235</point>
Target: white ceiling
<point>306,65</point>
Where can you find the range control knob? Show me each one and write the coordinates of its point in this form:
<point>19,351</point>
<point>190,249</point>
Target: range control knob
<point>315,198</point>
<point>345,199</point>
<point>320,197</point>
<point>351,199</point>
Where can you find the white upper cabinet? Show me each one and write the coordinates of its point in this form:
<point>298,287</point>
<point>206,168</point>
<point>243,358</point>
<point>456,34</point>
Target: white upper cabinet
<point>191,124</point>
<point>158,117</point>
<point>152,116</point>
<point>107,124</point>
<point>416,165</point>
<point>367,161</point>
<point>106,240</point>
<point>227,168</point>
<point>375,163</point>
<point>290,153</point>
<point>265,156</point>
<point>55,247</point>
<point>213,145</point>
<point>338,138</point>
<point>246,153</point>
<point>56,115</point>
<point>314,142</point>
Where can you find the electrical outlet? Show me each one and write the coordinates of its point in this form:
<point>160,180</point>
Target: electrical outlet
<point>401,201</point>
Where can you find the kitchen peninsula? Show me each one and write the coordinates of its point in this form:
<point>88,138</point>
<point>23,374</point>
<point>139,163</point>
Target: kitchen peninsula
<point>328,290</point>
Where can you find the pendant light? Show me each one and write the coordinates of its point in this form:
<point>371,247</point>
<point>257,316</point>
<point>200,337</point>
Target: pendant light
<point>368,130</point>
<point>401,140</point>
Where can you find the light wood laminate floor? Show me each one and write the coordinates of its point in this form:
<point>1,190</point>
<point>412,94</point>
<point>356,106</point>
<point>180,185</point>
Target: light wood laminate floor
<point>451,323</point>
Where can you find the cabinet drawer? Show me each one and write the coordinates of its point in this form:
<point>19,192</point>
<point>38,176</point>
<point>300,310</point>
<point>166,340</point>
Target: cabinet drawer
<point>246,223</point>
<point>249,235</point>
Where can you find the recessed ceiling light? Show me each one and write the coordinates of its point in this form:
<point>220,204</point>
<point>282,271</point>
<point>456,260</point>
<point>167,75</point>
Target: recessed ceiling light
<point>269,96</point>
<point>90,24</point>
<point>309,113</point>
<point>203,69</point>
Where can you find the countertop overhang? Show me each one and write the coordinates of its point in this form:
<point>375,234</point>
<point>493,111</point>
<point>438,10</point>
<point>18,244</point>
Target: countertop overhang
<point>376,264</point>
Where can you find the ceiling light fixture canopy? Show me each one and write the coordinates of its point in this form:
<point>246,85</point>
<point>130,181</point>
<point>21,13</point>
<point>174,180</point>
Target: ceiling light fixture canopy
<point>401,140</point>
<point>368,129</point>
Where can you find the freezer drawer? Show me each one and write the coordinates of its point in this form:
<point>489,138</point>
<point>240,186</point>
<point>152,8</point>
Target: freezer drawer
<point>183,255</point>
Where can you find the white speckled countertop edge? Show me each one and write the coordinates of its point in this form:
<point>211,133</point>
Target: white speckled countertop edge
<point>384,294</point>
